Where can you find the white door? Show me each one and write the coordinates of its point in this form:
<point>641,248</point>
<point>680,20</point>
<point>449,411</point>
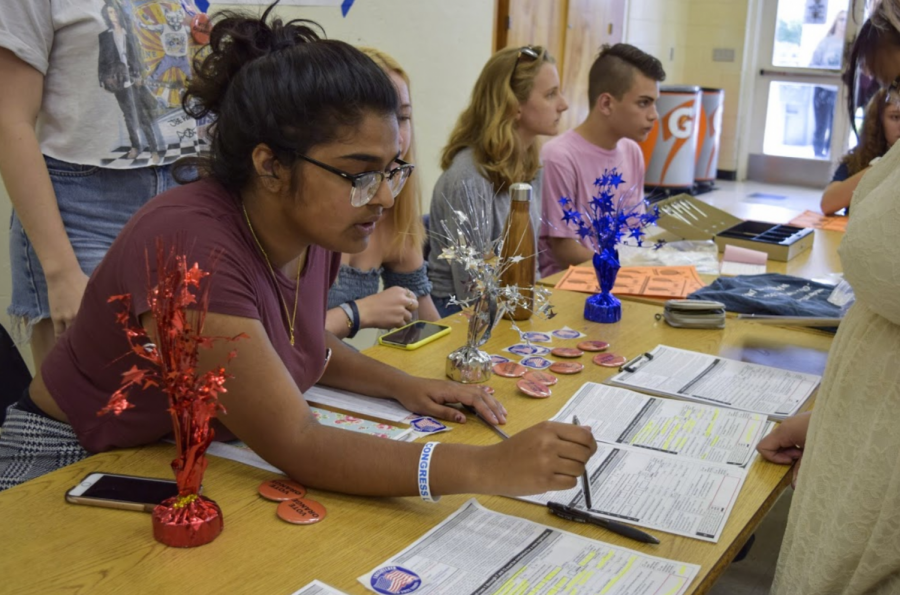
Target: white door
<point>798,127</point>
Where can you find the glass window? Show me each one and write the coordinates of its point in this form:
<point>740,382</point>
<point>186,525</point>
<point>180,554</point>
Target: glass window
<point>810,33</point>
<point>799,120</point>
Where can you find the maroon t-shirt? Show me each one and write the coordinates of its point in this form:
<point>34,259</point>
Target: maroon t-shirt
<point>86,365</point>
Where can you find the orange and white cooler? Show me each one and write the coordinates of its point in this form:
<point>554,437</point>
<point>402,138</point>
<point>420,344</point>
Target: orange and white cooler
<point>670,151</point>
<point>709,135</point>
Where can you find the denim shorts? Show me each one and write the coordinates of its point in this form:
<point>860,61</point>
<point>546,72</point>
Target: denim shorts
<point>95,203</point>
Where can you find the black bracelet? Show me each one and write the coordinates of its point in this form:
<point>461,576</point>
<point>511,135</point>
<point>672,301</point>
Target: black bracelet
<point>355,328</point>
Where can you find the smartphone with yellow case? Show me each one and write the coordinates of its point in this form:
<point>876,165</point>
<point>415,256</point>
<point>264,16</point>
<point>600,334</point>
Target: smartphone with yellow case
<point>414,335</point>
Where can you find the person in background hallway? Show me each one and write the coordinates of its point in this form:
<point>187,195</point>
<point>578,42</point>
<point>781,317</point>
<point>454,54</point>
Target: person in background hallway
<point>828,55</point>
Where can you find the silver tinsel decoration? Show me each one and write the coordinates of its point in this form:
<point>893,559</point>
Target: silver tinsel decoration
<point>468,243</point>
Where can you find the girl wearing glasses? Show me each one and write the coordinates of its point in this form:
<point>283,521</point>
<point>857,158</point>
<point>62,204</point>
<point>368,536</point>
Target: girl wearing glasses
<point>394,253</point>
<point>304,162</point>
<point>842,533</point>
<point>516,98</point>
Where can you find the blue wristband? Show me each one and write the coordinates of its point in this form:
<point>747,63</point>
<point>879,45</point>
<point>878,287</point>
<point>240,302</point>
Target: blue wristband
<point>424,473</point>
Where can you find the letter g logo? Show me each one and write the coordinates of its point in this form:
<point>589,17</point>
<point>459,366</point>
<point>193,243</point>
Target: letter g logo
<point>681,122</point>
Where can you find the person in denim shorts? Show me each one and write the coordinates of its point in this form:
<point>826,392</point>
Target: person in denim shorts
<point>86,138</point>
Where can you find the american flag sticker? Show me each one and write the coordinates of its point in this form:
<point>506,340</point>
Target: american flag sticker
<point>392,580</point>
<point>427,424</point>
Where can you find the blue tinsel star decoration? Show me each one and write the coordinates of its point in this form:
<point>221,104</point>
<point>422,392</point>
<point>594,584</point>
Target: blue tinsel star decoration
<point>607,219</point>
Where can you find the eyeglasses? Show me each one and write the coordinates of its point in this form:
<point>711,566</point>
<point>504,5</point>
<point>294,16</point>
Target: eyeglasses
<point>527,51</point>
<point>366,184</point>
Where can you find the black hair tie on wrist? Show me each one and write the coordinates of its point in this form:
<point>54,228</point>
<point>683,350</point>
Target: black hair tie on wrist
<point>355,328</point>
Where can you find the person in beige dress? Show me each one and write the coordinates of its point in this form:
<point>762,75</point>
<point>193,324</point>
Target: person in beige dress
<point>843,532</point>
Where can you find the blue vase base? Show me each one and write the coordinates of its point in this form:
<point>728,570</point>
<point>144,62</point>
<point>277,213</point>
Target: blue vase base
<point>603,308</point>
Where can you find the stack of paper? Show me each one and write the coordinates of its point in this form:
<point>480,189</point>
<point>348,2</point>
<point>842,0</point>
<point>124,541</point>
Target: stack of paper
<point>667,465</point>
<point>478,551</point>
<point>650,281</point>
<point>694,376</point>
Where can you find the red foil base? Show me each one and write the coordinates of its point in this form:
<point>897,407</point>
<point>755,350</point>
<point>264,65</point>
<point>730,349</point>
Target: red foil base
<point>187,521</point>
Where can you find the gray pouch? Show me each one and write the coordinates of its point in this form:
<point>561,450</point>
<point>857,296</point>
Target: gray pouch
<point>694,314</point>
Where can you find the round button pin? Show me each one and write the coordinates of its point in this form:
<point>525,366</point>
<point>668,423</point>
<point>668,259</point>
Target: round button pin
<point>279,490</point>
<point>537,362</point>
<point>200,29</point>
<point>541,377</point>
<point>609,360</point>
<point>533,389</point>
<point>567,352</point>
<point>567,367</point>
<point>593,345</point>
<point>509,369</point>
<point>301,511</point>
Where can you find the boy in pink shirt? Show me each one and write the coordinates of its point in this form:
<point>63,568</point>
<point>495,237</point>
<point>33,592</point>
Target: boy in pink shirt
<point>623,87</point>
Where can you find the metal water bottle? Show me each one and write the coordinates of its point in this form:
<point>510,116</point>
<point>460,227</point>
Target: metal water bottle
<point>518,240</point>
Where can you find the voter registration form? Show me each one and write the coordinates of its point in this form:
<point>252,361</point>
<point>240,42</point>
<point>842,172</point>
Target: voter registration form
<point>691,430</point>
<point>478,551</point>
<point>663,464</point>
<point>714,380</point>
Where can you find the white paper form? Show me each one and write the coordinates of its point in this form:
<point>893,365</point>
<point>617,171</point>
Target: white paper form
<point>692,430</point>
<point>478,551</point>
<point>318,588</point>
<point>386,409</point>
<point>679,496</point>
<point>693,376</point>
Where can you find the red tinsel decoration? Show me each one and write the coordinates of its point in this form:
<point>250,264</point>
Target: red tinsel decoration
<point>179,307</point>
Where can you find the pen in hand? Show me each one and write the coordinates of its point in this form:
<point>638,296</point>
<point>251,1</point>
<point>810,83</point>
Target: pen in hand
<point>585,480</point>
<point>474,412</point>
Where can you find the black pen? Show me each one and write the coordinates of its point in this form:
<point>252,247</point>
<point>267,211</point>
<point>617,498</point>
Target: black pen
<point>585,480</point>
<point>474,412</point>
<point>581,516</point>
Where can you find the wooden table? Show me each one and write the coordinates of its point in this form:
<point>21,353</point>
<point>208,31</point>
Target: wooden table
<point>54,547</point>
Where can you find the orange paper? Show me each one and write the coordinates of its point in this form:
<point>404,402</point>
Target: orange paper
<point>663,282</point>
<point>819,221</point>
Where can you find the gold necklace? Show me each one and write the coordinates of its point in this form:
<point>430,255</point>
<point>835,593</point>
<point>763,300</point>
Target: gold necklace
<point>289,318</point>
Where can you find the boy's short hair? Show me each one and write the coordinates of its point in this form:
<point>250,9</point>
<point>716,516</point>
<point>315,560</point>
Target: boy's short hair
<point>613,70</point>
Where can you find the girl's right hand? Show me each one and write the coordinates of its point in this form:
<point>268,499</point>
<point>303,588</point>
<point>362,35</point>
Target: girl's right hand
<point>64,292</point>
<point>387,309</point>
<point>546,457</point>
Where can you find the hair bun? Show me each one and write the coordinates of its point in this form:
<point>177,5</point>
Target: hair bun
<point>236,39</point>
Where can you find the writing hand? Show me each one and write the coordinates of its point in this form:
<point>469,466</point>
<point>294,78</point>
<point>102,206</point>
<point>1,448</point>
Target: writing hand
<point>546,457</point>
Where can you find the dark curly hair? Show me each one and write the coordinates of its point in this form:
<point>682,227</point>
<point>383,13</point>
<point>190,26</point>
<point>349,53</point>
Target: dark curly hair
<point>281,84</point>
<point>872,142</point>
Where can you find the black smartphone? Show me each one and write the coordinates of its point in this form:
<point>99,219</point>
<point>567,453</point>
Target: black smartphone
<point>414,335</point>
<point>125,492</point>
